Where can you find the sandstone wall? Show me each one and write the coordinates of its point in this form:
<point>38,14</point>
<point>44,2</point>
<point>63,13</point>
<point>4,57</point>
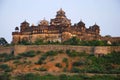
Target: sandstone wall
<point>88,49</point>
<point>6,49</point>
<point>44,48</point>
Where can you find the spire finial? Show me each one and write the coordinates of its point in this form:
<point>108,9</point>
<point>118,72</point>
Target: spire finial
<point>43,18</point>
<point>25,20</point>
<point>81,20</point>
<point>61,9</point>
<point>33,24</point>
<point>95,23</point>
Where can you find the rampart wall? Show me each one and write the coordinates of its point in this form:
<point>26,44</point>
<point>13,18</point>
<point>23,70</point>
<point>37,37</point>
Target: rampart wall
<point>44,48</point>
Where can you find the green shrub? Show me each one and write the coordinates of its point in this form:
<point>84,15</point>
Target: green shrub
<point>16,62</point>
<point>75,70</point>
<point>42,69</point>
<point>24,42</point>
<point>72,41</point>
<point>77,41</point>
<point>63,77</point>
<point>28,76</point>
<point>5,76</point>
<point>28,54</point>
<point>78,63</point>
<point>41,59</point>
<point>72,53</point>
<point>65,60</point>
<point>51,53</point>
<point>38,52</point>
<point>61,51</point>
<point>39,41</point>
<point>5,67</point>
<point>58,65</point>
<point>3,55</point>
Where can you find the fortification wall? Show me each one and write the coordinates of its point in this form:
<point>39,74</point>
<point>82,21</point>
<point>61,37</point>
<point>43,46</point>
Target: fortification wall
<point>6,49</point>
<point>44,48</point>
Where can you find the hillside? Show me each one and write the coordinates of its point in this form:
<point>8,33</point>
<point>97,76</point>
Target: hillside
<point>59,62</point>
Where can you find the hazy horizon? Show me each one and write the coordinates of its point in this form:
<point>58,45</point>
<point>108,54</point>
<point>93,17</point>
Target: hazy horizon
<point>105,13</point>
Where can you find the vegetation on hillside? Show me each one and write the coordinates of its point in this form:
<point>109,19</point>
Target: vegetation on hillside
<point>71,62</point>
<point>31,76</point>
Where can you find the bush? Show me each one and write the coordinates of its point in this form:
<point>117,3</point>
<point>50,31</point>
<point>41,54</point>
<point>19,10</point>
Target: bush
<point>3,55</point>
<point>5,67</point>
<point>28,76</point>
<point>38,52</point>
<point>17,62</point>
<point>76,41</point>
<point>60,51</point>
<point>28,54</point>
<point>6,57</point>
<point>39,41</point>
<point>42,69</point>
<point>44,56</point>
<point>72,41</point>
<point>65,60</point>
<point>72,53</point>
<point>78,63</point>
<point>58,65</point>
<point>24,42</point>
<point>51,53</point>
<point>5,76</point>
<point>75,70</point>
<point>41,59</point>
<point>63,77</point>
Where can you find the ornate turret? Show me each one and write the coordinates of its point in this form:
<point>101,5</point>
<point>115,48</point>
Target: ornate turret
<point>81,25</point>
<point>61,19</point>
<point>60,14</point>
<point>16,29</point>
<point>44,22</point>
<point>96,28</point>
<point>24,25</point>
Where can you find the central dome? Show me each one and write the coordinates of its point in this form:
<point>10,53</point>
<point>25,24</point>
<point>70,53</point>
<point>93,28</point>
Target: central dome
<point>61,19</point>
<point>60,11</point>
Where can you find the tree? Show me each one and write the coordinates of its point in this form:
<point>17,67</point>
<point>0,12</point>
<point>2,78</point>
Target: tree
<point>38,41</point>
<point>3,41</point>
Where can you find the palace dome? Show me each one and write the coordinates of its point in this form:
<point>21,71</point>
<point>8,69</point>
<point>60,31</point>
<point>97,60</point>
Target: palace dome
<point>44,22</point>
<point>81,23</point>
<point>60,11</point>
<point>16,28</point>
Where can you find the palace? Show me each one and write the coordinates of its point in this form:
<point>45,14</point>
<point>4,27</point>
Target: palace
<point>58,29</point>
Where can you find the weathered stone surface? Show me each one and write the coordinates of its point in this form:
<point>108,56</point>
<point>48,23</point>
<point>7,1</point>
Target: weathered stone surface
<point>44,48</point>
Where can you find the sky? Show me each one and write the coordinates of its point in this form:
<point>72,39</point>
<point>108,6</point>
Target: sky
<point>105,13</point>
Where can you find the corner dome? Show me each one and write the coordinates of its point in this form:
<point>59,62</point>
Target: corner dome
<point>81,23</point>
<point>95,26</point>
<point>16,28</point>
<point>25,22</point>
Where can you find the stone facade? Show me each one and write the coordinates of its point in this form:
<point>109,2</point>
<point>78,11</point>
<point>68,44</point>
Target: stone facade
<point>58,29</point>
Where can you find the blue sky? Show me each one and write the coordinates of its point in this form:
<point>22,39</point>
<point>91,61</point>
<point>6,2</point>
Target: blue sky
<point>106,13</point>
